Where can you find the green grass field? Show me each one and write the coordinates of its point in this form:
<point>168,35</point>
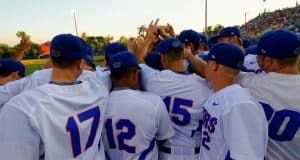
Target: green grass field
<point>35,64</point>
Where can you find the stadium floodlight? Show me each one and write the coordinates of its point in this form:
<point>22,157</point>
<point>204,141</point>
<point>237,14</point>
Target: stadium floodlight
<point>206,17</point>
<point>75,21</point>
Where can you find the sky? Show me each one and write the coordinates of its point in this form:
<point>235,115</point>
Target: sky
<point>43,19</point>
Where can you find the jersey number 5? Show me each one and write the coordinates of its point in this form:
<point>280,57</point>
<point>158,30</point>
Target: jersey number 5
<point>179,113</point>
<point>73,129</point>
<point>283,124</point>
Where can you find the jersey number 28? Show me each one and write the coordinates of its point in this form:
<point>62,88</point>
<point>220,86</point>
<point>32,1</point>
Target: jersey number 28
<point>177,107</point>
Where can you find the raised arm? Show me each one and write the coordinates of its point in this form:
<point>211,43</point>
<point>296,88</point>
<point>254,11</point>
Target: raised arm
<point>198,65</point>
<point>151,36</point>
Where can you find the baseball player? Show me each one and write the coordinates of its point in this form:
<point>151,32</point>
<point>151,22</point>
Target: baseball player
<point>10,70</point>
<point>230,34</point>
<point>234,125</point>
<point>184,95</point>
<point>41,77</point>
<point>191,41</point>
<point>89,61</point>
<point>59,120</point>
<point>110,50</point>
<point>277,90</point>
<point>134,120</point>
<point>250,62</point>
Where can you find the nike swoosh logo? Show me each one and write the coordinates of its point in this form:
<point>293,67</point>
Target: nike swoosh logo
<point>215,104</point>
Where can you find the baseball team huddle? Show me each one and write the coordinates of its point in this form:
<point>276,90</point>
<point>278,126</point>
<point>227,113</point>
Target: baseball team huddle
<point>163,97</point>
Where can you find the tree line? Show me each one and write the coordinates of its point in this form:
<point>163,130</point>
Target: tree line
<point>97,42</point>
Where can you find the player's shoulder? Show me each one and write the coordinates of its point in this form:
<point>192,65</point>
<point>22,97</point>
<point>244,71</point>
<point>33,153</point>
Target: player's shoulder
<point>234,95</point>
<point>28,100</point>
<point>148,97</point>
<point>249,78</point>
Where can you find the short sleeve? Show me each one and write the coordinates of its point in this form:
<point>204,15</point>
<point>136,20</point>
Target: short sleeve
<point>104,78</point>
<point>245,130</point>
<point>164,124</point>
<point>245,78</point>
<point>17,138</point>
<point>13,88</point>
<point>147,74</point>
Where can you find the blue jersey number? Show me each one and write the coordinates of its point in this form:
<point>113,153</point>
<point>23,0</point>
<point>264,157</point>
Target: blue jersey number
<point>179,113</point>
<point>290,119</point>
<point>129,133</point>
<point>72,128</point>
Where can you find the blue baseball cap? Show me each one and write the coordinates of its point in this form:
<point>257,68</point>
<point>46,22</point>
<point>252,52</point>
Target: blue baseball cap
<point>68,47</point>
<point>90,54</point>
<point>168,45</point>
<point>229,32</point>
<point>227,54</point>
<point>189,36</point>
<point>247,43</point>
<point>11,65</point>
<point>251,50</point>
<point>278,44</point>
<point>90,50</point>
<point>153,60</point>
<point>203,38</point>
<point>212,41</point>
<point>122,60</point>
<point>112,49</point>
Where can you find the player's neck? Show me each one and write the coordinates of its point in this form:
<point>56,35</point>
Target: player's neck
<point>123,84</point>
<point>288,70</point>
<point>3,81</point>
<point>177,66</point>
<point>221,83</point>
<point>63,75</point>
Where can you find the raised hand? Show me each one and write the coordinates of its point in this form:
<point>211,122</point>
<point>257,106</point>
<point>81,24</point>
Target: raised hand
<point>152,31</point>
<point>170,30</point>
<point>25,44</point>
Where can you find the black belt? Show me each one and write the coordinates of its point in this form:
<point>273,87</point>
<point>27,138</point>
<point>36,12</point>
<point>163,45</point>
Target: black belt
<point>169,150</point>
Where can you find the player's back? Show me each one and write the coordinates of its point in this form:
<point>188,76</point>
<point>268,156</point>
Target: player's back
<point>221,118</point>
<point>184,95</point>
<point>34,80</point>
<point>68,118</point>
<point>134,120</point>
<point>278,93</point>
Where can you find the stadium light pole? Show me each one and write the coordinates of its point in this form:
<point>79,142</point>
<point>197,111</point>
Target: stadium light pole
<point>75,21</point>
<point>206,17</point>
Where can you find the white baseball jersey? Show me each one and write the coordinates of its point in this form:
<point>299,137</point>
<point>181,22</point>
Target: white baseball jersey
<point>184,96</point>
<point>55,122</point>
<point>234,126</point>
<point>41,77</point>
<point>279,95</point>
<point>134,121</point>
<point>250,63</point>
<point>101,69</point>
